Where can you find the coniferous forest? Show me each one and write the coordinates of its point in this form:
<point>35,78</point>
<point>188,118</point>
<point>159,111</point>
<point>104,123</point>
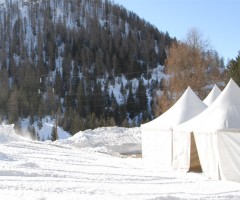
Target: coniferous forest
<point>87,63</point>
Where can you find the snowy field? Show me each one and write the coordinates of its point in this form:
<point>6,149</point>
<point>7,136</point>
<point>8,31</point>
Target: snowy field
<point>66,171</point>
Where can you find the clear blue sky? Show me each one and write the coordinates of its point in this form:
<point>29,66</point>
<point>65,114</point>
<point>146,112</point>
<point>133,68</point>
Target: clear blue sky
<point>218,20</point>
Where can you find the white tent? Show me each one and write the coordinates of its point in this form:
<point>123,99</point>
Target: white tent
<point>217,134</point>
<point>157,134</point>
<point>212,96</point>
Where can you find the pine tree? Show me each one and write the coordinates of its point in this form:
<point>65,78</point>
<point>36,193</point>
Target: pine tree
<point>82,100</point>
<point>31,120</point>
<point>40,124</point>
<point>75,125</point>
<point>58,87</point>
<point>54,133</point>
<point>32,132</point>
<point>233,69</point>
<point>66,71</point>
<point>13,107</point>
<point>131,104</point>
<point>142,98</point>
<point>107,101</point>
<point>38,136</point>
<point>98,100</point>
<point>75,78</point>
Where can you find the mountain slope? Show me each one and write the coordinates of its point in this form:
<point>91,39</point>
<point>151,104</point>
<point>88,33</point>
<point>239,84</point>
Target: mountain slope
<point>78,59</point>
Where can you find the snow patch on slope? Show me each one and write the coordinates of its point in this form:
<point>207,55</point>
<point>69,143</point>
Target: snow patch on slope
<point>45,131</point>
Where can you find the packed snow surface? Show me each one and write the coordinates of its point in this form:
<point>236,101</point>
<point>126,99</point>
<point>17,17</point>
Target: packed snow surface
<point>65,171</point>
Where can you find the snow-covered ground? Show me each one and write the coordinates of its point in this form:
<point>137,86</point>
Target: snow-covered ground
<point>64,170</point>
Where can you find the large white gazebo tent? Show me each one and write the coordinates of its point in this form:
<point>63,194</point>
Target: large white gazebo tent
<point>217,135</point>
<point>157,134</point>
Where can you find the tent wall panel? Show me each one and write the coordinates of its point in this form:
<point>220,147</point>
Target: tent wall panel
<point>229,155</point>
<point>185,153</point>
<point>157,149</point>
<point>208,153</point>
<point>181,151</point>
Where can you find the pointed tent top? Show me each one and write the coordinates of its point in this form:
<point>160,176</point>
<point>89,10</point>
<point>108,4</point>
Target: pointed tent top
<point>230,96</point>
<point>232,83</point>
<point>223,113</point>
<point>188,97</point>
<point>212,96</point>
<point>188,106</point>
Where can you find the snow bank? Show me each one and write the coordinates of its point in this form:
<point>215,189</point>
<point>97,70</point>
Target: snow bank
<point>120,140</point>
<point>7,134</point>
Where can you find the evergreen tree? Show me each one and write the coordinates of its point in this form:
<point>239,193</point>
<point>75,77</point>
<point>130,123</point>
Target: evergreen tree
<point>39,124</point>
<point>54,134</point>
<point>98,100</point>
<point>38,136</point>
<point>75,78</point>
<point>83,100</point>
<point>233,69</point>
<point>111,122</point>
<point>13,107</point>
<point>32,132</point>
<point>66,71</point>
<point>142,98</point>
<point>131,104</point>
<point>75,125</point>
<point>107,101</point>
<point>122,114</point>
<point>31,120</point>
<point>58,88</point>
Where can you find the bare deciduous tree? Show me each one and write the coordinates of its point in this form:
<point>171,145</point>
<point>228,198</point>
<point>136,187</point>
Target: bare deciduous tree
<point>189,64</point>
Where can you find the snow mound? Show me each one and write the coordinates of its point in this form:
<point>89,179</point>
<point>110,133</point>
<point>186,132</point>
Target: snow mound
<point>7,134</point>
<point>120,140</point>
<point>44,132</point>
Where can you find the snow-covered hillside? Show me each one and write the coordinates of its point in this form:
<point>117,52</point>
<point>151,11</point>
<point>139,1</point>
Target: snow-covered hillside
<point>85,59</point>
<point>44,171</point>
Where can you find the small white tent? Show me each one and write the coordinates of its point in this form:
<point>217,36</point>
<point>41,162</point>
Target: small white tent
<point>157,134</point>
<point>212,96</point>
<point>217,134</point>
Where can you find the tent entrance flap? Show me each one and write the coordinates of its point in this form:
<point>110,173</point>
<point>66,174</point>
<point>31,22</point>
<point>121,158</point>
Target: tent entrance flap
<point>195,165</point>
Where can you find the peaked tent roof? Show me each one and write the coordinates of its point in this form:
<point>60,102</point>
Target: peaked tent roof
<point>212,96</point>
<point>188,106</point>
<point>223,113</point>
